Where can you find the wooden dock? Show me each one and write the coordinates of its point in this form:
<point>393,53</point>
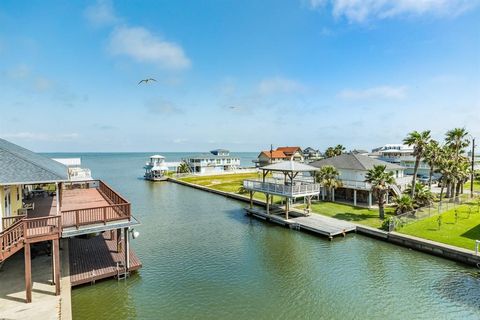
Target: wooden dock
<point>96,258</point>
<point>315,223</point>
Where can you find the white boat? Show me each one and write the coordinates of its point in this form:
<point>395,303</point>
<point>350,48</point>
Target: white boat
<point>156,169</point>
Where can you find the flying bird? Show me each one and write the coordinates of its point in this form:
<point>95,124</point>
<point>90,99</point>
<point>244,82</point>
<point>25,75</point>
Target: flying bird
<point>147,80</point>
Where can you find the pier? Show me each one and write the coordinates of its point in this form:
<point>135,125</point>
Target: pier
<point>98,258</point>
<point>318,224</point>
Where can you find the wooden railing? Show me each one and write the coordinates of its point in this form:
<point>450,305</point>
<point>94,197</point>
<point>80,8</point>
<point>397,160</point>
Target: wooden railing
<point>11,237</point>
<point>42,227</point>
<point>9,221</point>
<point>81,217</point>
<point>277,188</point>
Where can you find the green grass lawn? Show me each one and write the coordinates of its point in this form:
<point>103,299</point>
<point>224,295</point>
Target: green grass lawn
<point>460,232</point>
<point>476,186</point>
<point>350,213</point>
<point>227,182</point>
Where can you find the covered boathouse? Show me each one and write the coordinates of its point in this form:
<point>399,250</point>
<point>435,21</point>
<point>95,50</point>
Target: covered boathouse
<point>286,179</point>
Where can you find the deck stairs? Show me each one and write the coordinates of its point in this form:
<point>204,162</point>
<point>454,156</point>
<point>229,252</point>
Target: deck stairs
<point>12,240</point>
<point>396,190</point>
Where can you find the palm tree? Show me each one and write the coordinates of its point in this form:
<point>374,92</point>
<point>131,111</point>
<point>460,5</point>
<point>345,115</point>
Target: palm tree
<point>432,156</point>
<point>419,141</point>
<point>457,140</point>
<point>339,149</point>
<point>328,177</point>
<point>330,152</point>
<point>380,179</point>
<point>183,168</point>
<point>403,204</point>
<point>423,195</point>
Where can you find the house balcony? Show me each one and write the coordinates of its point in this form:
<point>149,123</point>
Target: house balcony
<point>289,191</point>
<point>85,207</point>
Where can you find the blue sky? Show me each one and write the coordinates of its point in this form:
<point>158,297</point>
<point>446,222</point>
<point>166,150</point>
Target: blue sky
<point>235,74</point>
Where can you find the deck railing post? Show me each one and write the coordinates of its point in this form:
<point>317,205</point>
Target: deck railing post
<point>77,220</point>
<point>104,215</point>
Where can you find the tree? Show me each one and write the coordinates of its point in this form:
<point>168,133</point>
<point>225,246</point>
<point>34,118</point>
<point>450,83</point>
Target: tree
<point>328,177</point>
<point>419,141</point>
<point>423,195</point>
<point>403,204</point>
<point>339,149</point>
<point>432,156</point>
<point>380,179</point>
<point>183,168</point>
<point>334,151</point>
<point>457,140</point>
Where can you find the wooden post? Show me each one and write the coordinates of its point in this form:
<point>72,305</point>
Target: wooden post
<point>127,249</point>
<point>56,259</point>
<point>57,196</point>
<point>28,273</point>
<point>267,203</point>
<point>354,197</point>
<point>287,201</point>
<point>119,240</point>
<point>251,199</point>
<point>369,198</point>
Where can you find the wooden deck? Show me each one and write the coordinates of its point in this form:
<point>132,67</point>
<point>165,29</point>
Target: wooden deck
<point>96,258</point>
<point>315,223</point>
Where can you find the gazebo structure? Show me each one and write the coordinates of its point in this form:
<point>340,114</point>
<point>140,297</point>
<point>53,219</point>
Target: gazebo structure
<point>291,180</point>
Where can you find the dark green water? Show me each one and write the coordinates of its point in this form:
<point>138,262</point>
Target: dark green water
<point>204,259</point>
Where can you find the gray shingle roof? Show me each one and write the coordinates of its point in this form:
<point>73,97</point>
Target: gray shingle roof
<point>352,161</point>
<point>19,166</point>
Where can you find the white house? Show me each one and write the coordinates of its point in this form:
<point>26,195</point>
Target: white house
<point>403,156</point>
<point>352,169</point>
<point>216,161</point>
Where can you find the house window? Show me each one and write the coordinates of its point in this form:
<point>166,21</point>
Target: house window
<point>218,161</point>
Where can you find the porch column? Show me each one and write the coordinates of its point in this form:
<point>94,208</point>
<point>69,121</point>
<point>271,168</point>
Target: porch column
<point>57,196</point>
<point>251,199</point>
<point>354,197</point>
<point>127,249</point>
<point>333,194</point>
<point>28,273</point>
<point>369,198</point>
<point>56,263</point>
<point>268,203</point>
<point>323,193</point>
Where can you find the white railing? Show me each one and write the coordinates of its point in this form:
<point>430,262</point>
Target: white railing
<point>276,188</point>
<point>356,184</point>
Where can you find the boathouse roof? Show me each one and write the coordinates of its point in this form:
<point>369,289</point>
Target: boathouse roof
<point>21,166</point>
<point>289,166</point>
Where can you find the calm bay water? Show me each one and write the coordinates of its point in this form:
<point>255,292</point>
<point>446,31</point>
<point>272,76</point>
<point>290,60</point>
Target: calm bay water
<point>204,259</point>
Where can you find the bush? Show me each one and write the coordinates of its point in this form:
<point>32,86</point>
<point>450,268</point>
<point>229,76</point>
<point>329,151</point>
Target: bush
<point>387,222</point>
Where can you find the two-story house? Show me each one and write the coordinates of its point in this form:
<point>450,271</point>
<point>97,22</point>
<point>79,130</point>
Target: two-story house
<point>279,154</point>
<point>218,160</point>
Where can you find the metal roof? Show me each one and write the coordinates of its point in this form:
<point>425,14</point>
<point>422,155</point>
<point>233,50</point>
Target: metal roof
<point>352,161</point>
<point>289,166</point>
<point>21,166</point>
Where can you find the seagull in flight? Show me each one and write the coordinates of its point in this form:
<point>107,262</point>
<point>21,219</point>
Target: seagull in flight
<point>147,80</point>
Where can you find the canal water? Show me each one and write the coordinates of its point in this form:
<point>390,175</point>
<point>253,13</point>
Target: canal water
<point>204,259</point>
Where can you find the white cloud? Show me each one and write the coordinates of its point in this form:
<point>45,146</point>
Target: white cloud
<point>19,72</point>
<point>40,136</point>
<point>42,84</point>
<point>381,92</point>
<point>277,85</point>
<point>162,107</point>
<point>101,13</point>
<point>364,10</point>
<point>180,140</point>
<point>141,45</point>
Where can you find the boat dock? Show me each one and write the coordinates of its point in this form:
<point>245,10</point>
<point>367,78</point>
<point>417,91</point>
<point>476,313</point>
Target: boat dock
<point>315,223</point>
<point>97,258</point>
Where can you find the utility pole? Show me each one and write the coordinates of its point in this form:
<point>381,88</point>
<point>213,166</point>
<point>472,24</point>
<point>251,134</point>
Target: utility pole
<point>271,153</point>
<point>472,174</point>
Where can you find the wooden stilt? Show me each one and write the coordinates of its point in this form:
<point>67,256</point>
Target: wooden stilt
<point>56,259</point>
<point>268,203</point>
<point>28,273</point>
<point>286,208</point>
<point>251,199</point>
<point>127,249</point>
